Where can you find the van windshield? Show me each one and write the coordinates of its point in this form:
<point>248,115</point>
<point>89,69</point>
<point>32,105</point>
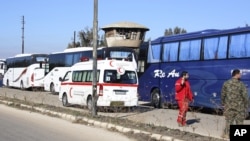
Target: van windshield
<point>111,76</point>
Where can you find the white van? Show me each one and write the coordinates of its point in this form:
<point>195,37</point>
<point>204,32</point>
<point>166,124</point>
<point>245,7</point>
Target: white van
<point>117,84</point>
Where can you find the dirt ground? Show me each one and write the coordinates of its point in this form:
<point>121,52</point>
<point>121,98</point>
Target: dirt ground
<point>175,133</point>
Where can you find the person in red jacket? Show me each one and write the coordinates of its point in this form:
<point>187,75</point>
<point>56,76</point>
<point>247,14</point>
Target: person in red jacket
<point>183,96</point>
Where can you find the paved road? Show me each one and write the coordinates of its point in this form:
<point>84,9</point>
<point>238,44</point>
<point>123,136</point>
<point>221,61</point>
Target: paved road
<point>27,126</point>
<point>204,124</point>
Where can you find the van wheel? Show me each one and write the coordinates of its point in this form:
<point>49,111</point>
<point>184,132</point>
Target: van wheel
<point>89,103</point>
<point>52,88</point>
<point>65,100</point>
<point>156,98</point>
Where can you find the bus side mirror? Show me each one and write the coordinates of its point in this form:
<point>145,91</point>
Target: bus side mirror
<point>40,64</point>
<point>60,79</point>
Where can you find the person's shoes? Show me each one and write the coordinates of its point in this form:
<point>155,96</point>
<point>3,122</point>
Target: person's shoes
<point>225,136</point>
<point>182,125</point>
<point>179,124</point>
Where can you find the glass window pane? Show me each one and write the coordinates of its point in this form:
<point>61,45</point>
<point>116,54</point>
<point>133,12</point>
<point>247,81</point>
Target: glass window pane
<point>84,76</point>
<point>154,53</point>
<point>239,46</point>
<point>68,60</point>
<point>170,52</point>
<point>215,48</point>
<point>76,58</point>
<point>190,50</point>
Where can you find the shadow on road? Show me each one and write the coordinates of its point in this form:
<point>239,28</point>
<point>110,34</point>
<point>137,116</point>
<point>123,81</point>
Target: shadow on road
<point>192,121</point>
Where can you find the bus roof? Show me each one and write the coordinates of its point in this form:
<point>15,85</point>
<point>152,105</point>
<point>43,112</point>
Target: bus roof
<point>105,64</point>
<point>200,34</point>
<point>75,49</point>
<point>78,49</point>
<point>26,54</point>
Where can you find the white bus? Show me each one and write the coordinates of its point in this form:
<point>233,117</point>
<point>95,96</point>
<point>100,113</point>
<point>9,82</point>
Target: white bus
<point>25,71</point>
<point>2,70</point>
<point>117,84</point>
<point>60,62</point>
<point>2,67</point>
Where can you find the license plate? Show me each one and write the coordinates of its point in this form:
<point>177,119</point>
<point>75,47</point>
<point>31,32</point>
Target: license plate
<point>117,103</point>
<point>120,92</point>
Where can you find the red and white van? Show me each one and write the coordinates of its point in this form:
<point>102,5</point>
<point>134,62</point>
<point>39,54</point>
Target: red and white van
<point>117,84</point>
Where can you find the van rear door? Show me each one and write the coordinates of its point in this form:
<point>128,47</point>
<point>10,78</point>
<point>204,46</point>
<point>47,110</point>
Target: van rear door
<point>118,89</point>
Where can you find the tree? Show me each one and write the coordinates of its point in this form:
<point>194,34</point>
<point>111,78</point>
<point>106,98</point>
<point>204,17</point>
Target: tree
<point>73,45</point>
<point>86,39</point>
<point>168,32</point>
<point>176,30</point>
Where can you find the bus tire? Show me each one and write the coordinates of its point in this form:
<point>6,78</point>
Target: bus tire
<point>130,109</point>
<point>7,83</point>
<point>156,98</point>
<point>65,100</point>
<point>89,103</point>
<point>21,85</point>
<point>52,88</point>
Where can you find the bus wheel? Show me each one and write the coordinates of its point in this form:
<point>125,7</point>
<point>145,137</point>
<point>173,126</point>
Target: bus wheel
<point>65,100</point>
<point>52,88</point>
<point>156,98</point>
<point>89,103</point>
<point>21,85</point>
<point>7,83</point>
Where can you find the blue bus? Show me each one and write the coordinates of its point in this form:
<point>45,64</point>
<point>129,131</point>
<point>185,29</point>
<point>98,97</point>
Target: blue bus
<point>209,56</point>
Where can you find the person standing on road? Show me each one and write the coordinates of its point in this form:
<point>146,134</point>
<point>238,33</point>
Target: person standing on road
<point>234,99</point>
<point>183,96</point>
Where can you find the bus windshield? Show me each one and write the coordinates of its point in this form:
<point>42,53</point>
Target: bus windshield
<point>41,58</point>
<point>121,55</point>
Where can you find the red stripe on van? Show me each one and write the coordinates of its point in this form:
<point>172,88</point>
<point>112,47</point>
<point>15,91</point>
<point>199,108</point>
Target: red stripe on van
<point>104,84</point>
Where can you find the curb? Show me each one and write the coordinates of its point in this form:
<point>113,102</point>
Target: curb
<point>97,123</point>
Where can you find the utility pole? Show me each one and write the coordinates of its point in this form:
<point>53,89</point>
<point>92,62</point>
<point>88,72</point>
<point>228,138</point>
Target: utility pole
<point>23,35</point>
<point>94,83</point>
<point>74,42</point>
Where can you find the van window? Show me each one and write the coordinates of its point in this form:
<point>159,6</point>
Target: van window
<point>111,76</point>
<point>67,76</point>
<point>84,76</point>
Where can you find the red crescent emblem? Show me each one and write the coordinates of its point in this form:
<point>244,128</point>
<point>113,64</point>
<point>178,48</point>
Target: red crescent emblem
<point>110,63</point>
<point>119,70</point>
<point>70,92</point>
